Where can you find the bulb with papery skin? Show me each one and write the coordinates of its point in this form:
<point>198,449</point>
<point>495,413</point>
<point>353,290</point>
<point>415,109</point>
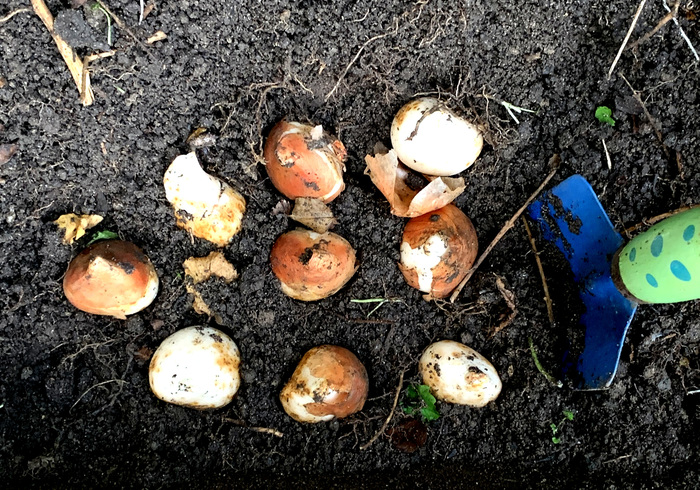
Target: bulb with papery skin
<point>329,382</point>
<point>304,161</point>
<point>431,139</point>
<point>437,250</point>
<point>204,205</point>
<point>458,374</point>
<point>196,367</point>
<point>111,277</point>
<point>310,265</point>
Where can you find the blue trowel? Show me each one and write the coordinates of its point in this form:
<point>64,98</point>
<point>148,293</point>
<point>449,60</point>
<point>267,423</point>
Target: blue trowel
<point>661,265</point>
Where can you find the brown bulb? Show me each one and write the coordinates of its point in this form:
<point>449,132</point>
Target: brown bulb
<point>312,265</point>
<point>304,161</point>
<point>437,250</point>
<point>329,382</point>
<point>111,277</point>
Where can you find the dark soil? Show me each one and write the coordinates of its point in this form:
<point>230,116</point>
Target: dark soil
<point>77,410</point>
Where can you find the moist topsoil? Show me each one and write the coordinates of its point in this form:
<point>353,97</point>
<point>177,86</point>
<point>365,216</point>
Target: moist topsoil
<point>76,408</point>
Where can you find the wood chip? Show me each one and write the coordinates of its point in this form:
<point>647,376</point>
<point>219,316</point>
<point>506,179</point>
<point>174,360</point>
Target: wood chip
<point>157,36</point>
<point>74,226</point>
<point>313,213</point>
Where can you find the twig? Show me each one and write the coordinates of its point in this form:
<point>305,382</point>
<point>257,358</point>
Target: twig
<point>388,419</point>
<point>267,430</point>
<point>683,34</point>
<point>503,231</point>
<point>13,13</point>
<point>607,155</point>
<point>659,217</point>
<point>657,131</point>
<point>658,27</point>
<point>539,367</point>
<point>547,297</point>
<point>693,392</point>
<point>615,460</point>
<point>509,298</point>
<point>80,75</point>
<point>627,37</point>
<point>352,62</point>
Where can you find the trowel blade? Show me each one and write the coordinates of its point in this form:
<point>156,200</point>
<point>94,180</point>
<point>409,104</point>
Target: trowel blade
<point>571,217</point>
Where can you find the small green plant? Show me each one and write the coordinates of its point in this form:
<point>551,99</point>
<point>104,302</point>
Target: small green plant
<point>421,401</point>
<point>539,366</point>
<point>604,114</point>
<point>568,415</point>
<point>103,235</point>
<point>97,7</point>
<point>381,302</point>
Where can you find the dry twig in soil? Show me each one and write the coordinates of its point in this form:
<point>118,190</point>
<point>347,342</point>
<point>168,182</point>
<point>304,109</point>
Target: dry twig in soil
<point>388,419</point>
<point>80,75</point>
<point>509,224</point>
<point>657,218</point>
<point>627,37</point>
<point>658,27</point>
<point>547,297</point>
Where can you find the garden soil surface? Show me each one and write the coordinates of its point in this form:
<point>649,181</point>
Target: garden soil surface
<point>76,409</point>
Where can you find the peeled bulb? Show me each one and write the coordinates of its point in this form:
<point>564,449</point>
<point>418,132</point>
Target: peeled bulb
<point>304,161</point>
<point>458,374</point>
<point>196,367</point>
<point>329,382</point>
<point>204,205</point>
<point>312,265</point>
<point>437,251</point>
<point>431,139</point>
<point>111,277</point>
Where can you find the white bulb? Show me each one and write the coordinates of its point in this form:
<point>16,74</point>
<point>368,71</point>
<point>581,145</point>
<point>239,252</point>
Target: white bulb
<point>197,367</point>
<point>458,374</point>
<point>433,140</point>
<point>204,205</point>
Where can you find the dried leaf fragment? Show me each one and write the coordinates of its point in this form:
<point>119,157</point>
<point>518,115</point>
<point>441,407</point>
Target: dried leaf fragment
<point>390,176</point>
<point>313,213</point>
<point>7,151</point>
<point>200,269</point>
<point>215,264</point>
<point>509,298</point>
<point>74,226</point>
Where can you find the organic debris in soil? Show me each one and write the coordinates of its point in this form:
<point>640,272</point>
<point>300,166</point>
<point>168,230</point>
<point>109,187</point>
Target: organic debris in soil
<point>409,436</point>
<point>200,269</point>
<point>74,226</point>
<point>7,151</point>
<point>391,178</point>
<point>313,213</point>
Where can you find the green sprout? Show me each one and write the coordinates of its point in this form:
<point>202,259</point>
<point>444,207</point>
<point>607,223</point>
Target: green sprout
<point>604,115</point>
<point>381,302</point>
<point>421,401</point>
<point>568,415</point>
<point>103,235</point>
<point>511,109</point>
<point>97,6</point>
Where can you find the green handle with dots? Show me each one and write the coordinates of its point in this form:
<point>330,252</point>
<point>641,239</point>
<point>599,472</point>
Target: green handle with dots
<point>662,265</point>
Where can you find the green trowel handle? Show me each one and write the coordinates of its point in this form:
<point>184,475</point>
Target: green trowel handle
<point>662,265</point>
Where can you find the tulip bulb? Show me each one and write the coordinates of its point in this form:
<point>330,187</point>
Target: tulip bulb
<point>433,140</point>
<point>458,374</point>
<point>304,161</point>
<point>329,382</point>
<point>310,265</point>
<point>437,251</point>
<point>205,206</point>
<point>196,367</point>
<point>111,277</point>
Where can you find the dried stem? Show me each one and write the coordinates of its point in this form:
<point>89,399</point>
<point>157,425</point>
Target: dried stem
<point>80,75</point>
<point>388,419</point>
<point>627,37</point>
<point>547,297</point>
<point>503,231</point>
